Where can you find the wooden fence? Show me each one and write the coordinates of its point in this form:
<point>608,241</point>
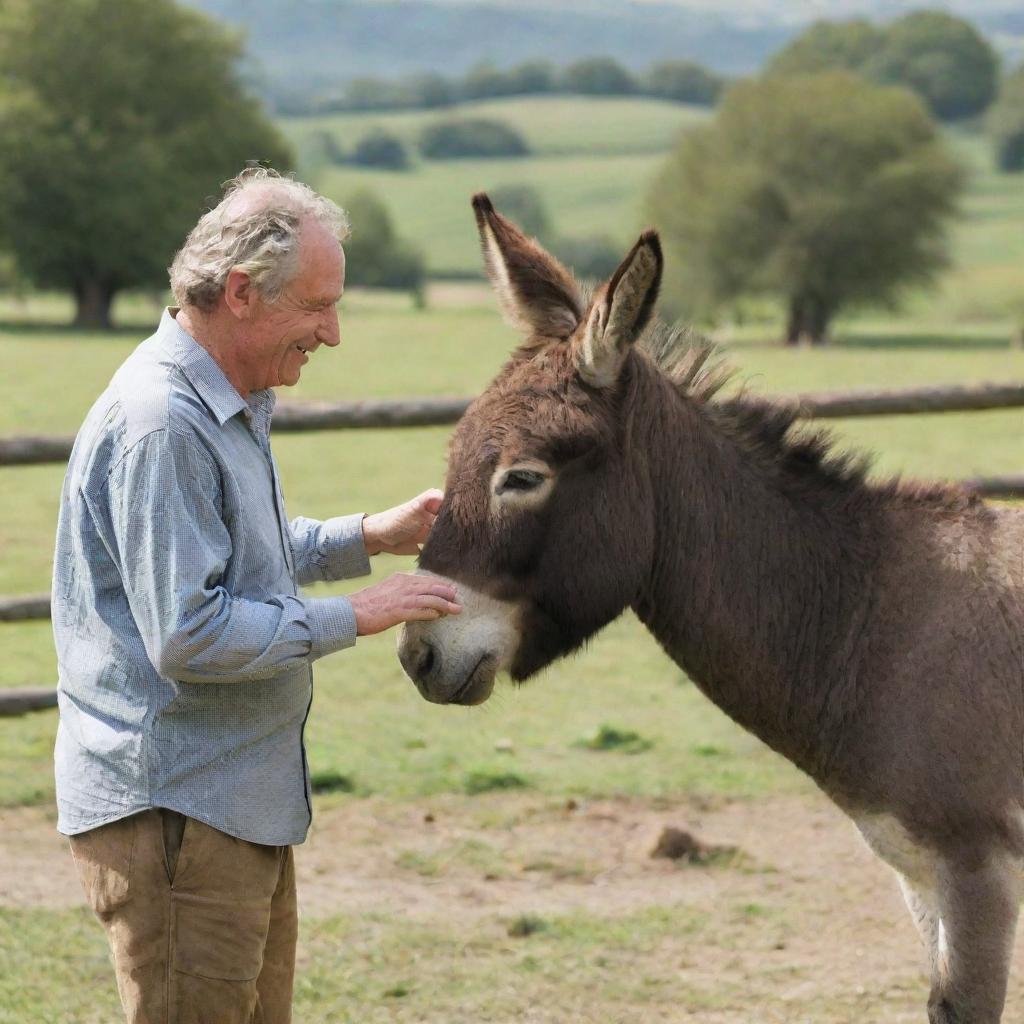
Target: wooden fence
<point>420,412</point>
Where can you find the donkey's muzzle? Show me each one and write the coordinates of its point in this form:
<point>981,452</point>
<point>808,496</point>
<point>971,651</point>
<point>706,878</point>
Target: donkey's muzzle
<point>425,666</point>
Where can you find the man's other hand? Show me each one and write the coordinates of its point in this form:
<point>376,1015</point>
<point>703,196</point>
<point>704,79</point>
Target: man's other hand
<point>403,597</point>
<point>402,529</point>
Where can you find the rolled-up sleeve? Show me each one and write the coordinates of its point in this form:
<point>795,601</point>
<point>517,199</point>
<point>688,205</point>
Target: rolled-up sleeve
<point>162,509</point>
<point>330,550</point>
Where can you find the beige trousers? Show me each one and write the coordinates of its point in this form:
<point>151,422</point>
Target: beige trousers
<point>202,925</point>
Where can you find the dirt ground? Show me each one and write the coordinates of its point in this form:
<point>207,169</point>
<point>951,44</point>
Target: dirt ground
<point>822,912</point>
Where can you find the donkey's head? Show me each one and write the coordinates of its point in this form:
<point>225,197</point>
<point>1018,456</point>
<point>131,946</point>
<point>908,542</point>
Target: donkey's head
<point>545,527</point>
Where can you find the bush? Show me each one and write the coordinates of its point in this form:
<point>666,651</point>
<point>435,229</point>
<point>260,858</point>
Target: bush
<point>381,149</point>
<point>476,137</point>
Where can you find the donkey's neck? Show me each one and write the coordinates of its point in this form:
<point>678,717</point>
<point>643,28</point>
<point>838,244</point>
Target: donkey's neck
<point>761,596</point>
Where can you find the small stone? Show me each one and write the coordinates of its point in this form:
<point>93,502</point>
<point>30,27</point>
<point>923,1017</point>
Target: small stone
<point>428,818</point>
<point>504,746</point>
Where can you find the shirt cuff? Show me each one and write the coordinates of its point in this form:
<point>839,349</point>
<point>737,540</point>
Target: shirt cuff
<point>342,551</point>
<point>332,625</point>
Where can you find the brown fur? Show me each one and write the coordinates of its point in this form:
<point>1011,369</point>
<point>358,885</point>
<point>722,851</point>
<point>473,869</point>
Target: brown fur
<point>872,633</point>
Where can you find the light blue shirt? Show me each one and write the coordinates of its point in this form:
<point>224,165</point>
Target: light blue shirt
<point>183,645</point>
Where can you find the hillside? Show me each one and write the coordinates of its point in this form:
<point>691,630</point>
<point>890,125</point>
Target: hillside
<point>298,47</point>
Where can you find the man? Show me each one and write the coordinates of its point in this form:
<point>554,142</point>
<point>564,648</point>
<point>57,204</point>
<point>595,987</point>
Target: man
<point>183,644</point>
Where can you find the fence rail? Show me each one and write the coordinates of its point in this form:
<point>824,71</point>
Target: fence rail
<point>23,451</point>
<point>27,698</point>
<point>429,412</point>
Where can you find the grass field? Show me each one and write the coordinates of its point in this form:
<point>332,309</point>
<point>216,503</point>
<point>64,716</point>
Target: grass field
<point>405,923</point>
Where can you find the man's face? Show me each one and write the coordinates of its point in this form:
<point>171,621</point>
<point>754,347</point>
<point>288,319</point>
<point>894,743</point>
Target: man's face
<point>281,335</point>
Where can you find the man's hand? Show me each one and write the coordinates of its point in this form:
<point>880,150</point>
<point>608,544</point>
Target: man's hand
<point>402,529</point>
<point>403,597</point>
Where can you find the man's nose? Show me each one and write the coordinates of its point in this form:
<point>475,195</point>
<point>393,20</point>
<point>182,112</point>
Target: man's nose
<point>329,333</point>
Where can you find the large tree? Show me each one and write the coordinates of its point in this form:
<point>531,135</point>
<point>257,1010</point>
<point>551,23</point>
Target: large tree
<point>823,190</point>
<point>119,119</point>
<point>942,58</point>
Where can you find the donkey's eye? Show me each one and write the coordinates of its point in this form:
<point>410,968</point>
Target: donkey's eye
<point>520,480</point>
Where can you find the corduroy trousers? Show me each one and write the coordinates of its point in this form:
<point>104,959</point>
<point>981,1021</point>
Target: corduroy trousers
<point>202,925</point>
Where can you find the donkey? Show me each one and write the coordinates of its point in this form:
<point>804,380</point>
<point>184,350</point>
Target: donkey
<point>872,633</point>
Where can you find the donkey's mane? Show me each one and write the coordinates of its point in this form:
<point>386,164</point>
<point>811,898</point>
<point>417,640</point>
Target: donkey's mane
<point>769,429</point>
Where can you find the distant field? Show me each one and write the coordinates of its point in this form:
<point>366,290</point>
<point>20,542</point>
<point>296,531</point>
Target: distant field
<point>593,161</point>
<point>551,125</point>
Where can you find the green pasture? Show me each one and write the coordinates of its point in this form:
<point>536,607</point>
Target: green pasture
<point>590,159</point>
<point>551,125</point>
<point>370,736</point>
<point>368,723</point>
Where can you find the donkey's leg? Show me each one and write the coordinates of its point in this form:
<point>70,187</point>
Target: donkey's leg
<point>978,902</point>
<point>924,909</point>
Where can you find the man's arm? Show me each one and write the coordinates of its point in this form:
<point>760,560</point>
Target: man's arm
<point>166,536</point>
<point>330,550</point>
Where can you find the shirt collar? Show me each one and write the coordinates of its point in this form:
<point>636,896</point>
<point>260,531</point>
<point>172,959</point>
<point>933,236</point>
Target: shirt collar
<point>203,373</point>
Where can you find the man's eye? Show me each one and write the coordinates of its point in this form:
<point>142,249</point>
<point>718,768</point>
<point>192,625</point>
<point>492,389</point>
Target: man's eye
<point>520,480</point>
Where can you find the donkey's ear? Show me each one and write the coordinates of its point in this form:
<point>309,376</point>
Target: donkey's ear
<point>620,313</point>
<point>536,293</point>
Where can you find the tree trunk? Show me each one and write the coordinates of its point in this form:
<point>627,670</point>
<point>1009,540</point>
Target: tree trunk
<point>93,300</point>
<point>794,321</point>
<point>807,321</point>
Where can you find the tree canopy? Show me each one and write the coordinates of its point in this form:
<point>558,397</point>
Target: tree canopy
<point>1006,122</point>
<point>823,190</point>
<point>942,58</point>
<point>119,119</point>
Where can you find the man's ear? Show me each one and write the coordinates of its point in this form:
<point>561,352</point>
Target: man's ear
<point>239,294</point>
<point>620,313</point>
<point>536,293</point>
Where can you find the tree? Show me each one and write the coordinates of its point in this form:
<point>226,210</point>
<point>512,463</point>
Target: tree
<point>484,82</point>
<point>429,90</point>
<point>682,81</point>
<point>829,46</point>
<point>1006,123</point>
<point>824,190</point>
<point>598,76</point>
<point>119,118</point>
<point>374,255</point>
<point>944,59</point>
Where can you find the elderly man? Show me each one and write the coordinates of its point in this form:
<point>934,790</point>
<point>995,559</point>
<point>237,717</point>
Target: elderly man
<point>183,642</point>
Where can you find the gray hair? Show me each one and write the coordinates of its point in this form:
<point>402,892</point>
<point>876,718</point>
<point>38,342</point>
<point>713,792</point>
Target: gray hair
<point>255,228</point>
